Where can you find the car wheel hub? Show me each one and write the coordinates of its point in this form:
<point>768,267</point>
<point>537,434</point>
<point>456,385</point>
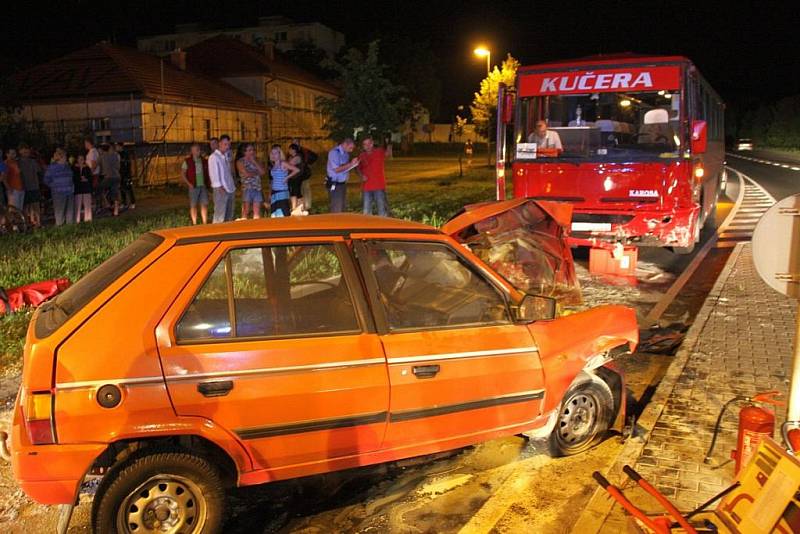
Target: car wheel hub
<point>578,418</point>
<point>165,505</point>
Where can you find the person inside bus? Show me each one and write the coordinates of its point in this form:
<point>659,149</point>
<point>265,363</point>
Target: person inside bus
<point>655,128</point>
<point>545,138</point>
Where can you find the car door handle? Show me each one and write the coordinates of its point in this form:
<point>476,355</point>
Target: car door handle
<point>215,389</point>
<point>425,371</point>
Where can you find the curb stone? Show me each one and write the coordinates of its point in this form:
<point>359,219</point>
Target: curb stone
<point>599,507</point>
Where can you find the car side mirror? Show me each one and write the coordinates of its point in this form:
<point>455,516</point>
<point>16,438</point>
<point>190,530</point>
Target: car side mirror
<point>535,308</point>
<point>699,137</point>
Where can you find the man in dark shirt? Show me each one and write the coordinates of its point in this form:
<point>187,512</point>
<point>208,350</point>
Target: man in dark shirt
<point>126,177</point>
<point>30,170</point>
<point>109,169</point>
<point>309,158</point>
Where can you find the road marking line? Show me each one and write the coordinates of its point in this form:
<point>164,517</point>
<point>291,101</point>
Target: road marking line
<point>764,161</point>
<point>758,187</point>
<point>661,306</point>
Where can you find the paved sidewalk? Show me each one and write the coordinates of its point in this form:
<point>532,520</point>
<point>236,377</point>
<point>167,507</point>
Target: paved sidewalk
<point>740,344</point>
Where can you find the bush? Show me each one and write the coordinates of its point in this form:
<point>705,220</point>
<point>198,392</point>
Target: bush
<point>773,125</point>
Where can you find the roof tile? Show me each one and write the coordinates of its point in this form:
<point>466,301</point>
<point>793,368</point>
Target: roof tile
<point>105,70</point>
<point>242,59</point>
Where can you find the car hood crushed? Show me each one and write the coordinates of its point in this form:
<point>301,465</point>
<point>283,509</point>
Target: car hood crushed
<point>523,240</point>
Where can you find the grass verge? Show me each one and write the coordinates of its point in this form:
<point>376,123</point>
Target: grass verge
<point>74,250</point>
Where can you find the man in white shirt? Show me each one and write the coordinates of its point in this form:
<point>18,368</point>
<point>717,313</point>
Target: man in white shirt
<point>219,171</point>
<point>92,158</point>
<point>545,138</point>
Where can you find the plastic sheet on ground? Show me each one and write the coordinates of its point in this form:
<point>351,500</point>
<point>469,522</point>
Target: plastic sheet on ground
<point>31,295</point>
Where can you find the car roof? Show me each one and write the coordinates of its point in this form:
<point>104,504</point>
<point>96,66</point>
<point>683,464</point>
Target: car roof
<point>342,224</point>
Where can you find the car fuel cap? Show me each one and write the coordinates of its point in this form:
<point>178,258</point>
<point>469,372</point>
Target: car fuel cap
<point>109,396</point>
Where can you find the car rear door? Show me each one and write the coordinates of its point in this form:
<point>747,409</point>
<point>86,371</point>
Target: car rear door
<point>272,340</point>
<point>458,365</point>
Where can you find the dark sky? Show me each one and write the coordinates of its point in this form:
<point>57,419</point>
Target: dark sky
<point>749,51</point>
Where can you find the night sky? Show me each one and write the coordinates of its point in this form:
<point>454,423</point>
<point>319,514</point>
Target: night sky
<point>749,53</point>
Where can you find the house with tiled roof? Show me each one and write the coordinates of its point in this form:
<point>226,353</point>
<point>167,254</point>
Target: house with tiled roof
<point>155,104</point>
<point>290,92</point>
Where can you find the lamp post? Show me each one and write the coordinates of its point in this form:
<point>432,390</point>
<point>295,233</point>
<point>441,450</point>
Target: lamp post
<point>482,51</point>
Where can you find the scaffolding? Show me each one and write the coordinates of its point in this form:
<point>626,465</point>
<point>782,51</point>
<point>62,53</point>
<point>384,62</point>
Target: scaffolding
<point>158,135</point>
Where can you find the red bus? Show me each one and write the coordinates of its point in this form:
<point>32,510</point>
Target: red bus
<point>635,143</point>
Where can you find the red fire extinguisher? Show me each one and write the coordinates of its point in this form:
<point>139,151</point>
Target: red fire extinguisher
<point>755,424</point>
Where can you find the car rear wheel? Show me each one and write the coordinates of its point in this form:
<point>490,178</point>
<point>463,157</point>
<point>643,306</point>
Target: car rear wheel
<point>584,417</point>
<point>168,492</point>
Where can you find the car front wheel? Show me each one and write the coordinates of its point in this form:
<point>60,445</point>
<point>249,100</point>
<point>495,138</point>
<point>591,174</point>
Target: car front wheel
<point>168,492</point>
<point>583,418</point>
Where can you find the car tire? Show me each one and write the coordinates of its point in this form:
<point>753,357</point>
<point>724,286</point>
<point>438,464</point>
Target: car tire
<point>584,417</point>
<point>181,489</point>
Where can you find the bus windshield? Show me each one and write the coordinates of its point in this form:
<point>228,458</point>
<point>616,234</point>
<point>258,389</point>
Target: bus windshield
<point>608,126</point>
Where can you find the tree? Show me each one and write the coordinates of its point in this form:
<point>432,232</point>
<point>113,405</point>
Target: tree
<point>369,102</point>
<point>458,128</point>
<point>306,54</point>
<point>14,129</point>
<point>484,104</point>
<point>413,64</point>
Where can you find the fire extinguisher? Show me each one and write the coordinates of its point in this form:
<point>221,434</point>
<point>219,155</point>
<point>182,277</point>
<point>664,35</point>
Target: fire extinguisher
<point>755,424</point>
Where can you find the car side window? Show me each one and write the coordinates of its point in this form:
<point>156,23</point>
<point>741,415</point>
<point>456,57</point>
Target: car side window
<point>207,316</point>
<point>272,292</point>
<point>428,285</point>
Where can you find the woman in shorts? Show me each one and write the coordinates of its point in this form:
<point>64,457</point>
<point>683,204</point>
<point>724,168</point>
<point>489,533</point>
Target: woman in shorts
<point>282,172</point>
<point>296,158</point>
<point>250,171</point>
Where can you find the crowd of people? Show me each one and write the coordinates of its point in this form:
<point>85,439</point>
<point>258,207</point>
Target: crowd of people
<point>101,180</point>
<point>281,186</point>
<point>213,179</point>
<point>90,182</point>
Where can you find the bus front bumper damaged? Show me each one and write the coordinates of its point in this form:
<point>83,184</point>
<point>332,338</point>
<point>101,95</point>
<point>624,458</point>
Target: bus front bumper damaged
<point>641,228</point>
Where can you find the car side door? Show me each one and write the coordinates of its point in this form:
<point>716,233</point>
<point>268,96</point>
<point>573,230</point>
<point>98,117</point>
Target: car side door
<point>458,365</point>
<point>272,340</point>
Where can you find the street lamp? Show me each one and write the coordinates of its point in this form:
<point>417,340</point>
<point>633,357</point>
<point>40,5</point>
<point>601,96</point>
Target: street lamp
<point>482,51</point>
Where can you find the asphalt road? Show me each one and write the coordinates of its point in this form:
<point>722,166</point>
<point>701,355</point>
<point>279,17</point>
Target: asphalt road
<point>779,182</point>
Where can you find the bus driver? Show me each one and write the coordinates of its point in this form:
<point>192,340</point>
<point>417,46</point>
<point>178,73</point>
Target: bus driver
<point>544,138</point>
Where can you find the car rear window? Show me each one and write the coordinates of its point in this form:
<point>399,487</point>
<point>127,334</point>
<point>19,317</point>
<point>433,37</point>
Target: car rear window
<point>54,313</point>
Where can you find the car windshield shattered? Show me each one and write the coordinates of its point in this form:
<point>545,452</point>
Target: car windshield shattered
<point>527,246</point>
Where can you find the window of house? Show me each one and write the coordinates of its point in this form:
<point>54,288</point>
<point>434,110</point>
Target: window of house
<point>271,291</point>
<point>102,123</point>
<point>281,37</point>
<point>427,285</point>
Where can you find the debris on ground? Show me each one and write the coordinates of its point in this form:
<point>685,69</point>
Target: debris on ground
<point>662,339</point>
<point>30,295</point>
